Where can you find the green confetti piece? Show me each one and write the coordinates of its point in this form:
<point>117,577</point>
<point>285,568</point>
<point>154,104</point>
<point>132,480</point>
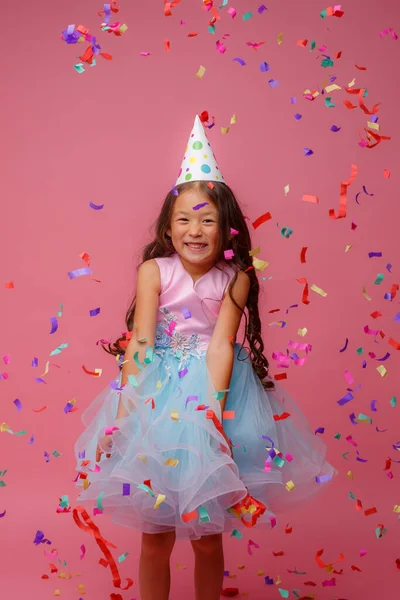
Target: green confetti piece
<point>142,340</point>
<point>123,557</point>
<point>295,593</point>
<point>380,532</point>
<point>56,454</point>
<point>211,29</point>
<point>3,484</point>
<point>178,354</point>
<point>327,62</point>
<point>322,14</point>
<point>137,361</point>
<point>283,593</point>
<point>247,16</point>
<point>279,461</point>
<point>133,381</point>
<point>244,449</point>
<point>352,496</point>
<point>204,516</point>
<point>337,436</point>
<point>59,349</point>
<point>22,432</point>
<point>2,473</point>
<point>64,503</point>
<point>146,488</point>
<point>393,401</point>
<point>379,278</point>
<point>312,45</point>
<point>345,455</point>
<point>360,350</point>
<point>328,103</point>
<point>79,68</point>
<point>362,417</point>
<point>300,572</point>
<point>149,355</point>
<point>220,395</point>
<point>99,502</point>
<point>237,534</point>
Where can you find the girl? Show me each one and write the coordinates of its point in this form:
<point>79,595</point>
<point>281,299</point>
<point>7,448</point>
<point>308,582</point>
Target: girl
<point>194,439</point>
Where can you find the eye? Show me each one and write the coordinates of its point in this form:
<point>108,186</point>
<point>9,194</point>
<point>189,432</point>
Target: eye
<point>182,219</point>
<point>208,221</point>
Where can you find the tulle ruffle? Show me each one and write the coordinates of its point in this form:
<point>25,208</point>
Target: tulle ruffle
<point>170,467</point>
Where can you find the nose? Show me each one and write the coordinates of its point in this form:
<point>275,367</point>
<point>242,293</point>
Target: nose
<point>195,230</point>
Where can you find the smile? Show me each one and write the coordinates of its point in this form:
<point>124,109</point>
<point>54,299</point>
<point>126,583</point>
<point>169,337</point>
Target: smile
<point>196,247</point>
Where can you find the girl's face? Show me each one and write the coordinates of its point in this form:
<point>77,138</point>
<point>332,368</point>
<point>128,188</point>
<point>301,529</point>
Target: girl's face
<point>195,233</point>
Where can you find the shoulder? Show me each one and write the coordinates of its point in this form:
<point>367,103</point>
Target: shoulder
<point>149,274</point>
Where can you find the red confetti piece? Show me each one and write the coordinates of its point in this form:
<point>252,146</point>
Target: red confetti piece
<point>343,194</point>
<point>262,219</point>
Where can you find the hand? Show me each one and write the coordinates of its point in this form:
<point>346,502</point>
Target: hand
<point>103,446</point>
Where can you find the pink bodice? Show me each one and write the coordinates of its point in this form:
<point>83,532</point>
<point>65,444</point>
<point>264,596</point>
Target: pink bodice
<point>188,310</point>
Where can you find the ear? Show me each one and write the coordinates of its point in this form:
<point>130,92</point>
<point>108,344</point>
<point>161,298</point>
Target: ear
<point>168,232</point>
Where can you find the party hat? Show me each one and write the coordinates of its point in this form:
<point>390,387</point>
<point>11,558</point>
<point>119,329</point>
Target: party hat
<point>199,163</point>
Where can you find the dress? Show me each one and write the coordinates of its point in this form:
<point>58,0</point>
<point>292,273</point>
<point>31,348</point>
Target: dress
<point>169,468</point>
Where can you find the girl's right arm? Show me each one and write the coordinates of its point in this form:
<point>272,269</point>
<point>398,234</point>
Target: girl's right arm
<point>148,288</point>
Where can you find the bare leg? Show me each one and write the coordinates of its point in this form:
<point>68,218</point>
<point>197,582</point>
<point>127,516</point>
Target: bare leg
<point>209,567</point>
<point>154,571</point>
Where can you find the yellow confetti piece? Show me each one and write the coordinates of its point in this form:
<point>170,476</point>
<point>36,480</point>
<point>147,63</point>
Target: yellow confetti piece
<point>310,93</point>
<point>372,125</point>
<point>290,486</point>
<point>160,500</point>
<point>46,370</point>
<point>278,580</point>
<point>174,414</point>
<point>318,290</point>
<point>4,427</point>
<point>258,264</point>
<point>260,572</point>
<point>171,462</point>
<point>279,39</point>
<point>240,566</point>
<point>352,82</point>
<point>200,72</point>
<point>396,509</point>
<point>81,587</point>
<point>182,567</point>
<point>286,189</point>
<point>143,458</point>
<point>57,592</point>
<point>364,291</point>
<point>382,370</point>
<point>332,88</point>
<point>348,247</point>
<point>302,332</point>
<point>350,474</point>
<point>225,129</point>
<point>86,484</point>
<point>159,384</point>
<point>254,251</point>
<point>233,119</point>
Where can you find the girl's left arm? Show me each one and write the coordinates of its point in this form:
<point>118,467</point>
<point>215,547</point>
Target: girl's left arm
<point>220,352</point>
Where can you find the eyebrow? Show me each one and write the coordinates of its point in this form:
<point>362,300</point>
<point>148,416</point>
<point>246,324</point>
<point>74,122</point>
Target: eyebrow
<point>210,212</point>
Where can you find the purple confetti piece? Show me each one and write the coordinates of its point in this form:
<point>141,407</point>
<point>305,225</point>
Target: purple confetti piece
<point>35,362</point>
<point>273,83</point>
<point>320,430</point>
<point>345,346</point>
<point>323,478</point>
<point>293,100</point>
<point>114,386</point>
<point>39,537</point>
<point>397,317</point>
<point>82,454</point>
<point>226,573</point>
<point>198,206</point>
<point>298,116</point>
<point>261,9</point>
<point>353,419</point>
<point>3,514</point>
<point>308,151</point>
<point>96,206</point>
<point>265,437</point>
<point>373,406</point>
<point>268,580</point>
<point>107,13</point>
<point>183,372</point>
<point>54,325</point>
<point>79,272</point>
<point>264,67</point>
<point>389,267</point>
<point>361,460</point>
<point>240,60</point>
<point>68,407</point>
<point>126,489</point>
<point>335,129</point>
<point>31,441</point>
<point>374,254</point>
<point>40,380</point>
<point>18,404</point>
<point>186,312</point>
<point>175,191</point>
<point>47,456</point>
<point>381,430</point>
<point>94,311</point>
<point>347,398</point>
<point>191,399</point>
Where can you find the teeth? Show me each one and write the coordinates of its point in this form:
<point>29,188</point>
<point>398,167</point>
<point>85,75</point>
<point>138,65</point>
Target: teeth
<point>196,245</point>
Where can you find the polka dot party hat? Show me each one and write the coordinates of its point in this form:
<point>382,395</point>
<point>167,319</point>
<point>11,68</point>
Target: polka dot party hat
<point>199,163</point>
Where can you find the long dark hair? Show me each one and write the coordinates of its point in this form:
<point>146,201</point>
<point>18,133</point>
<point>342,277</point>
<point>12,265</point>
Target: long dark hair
<point>230,215</point>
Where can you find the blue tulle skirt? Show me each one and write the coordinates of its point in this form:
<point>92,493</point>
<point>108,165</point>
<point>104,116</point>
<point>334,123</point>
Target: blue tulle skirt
<point>170,467</point>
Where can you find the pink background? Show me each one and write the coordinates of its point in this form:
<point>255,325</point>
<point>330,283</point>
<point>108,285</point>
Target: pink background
<point>115,135</point>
